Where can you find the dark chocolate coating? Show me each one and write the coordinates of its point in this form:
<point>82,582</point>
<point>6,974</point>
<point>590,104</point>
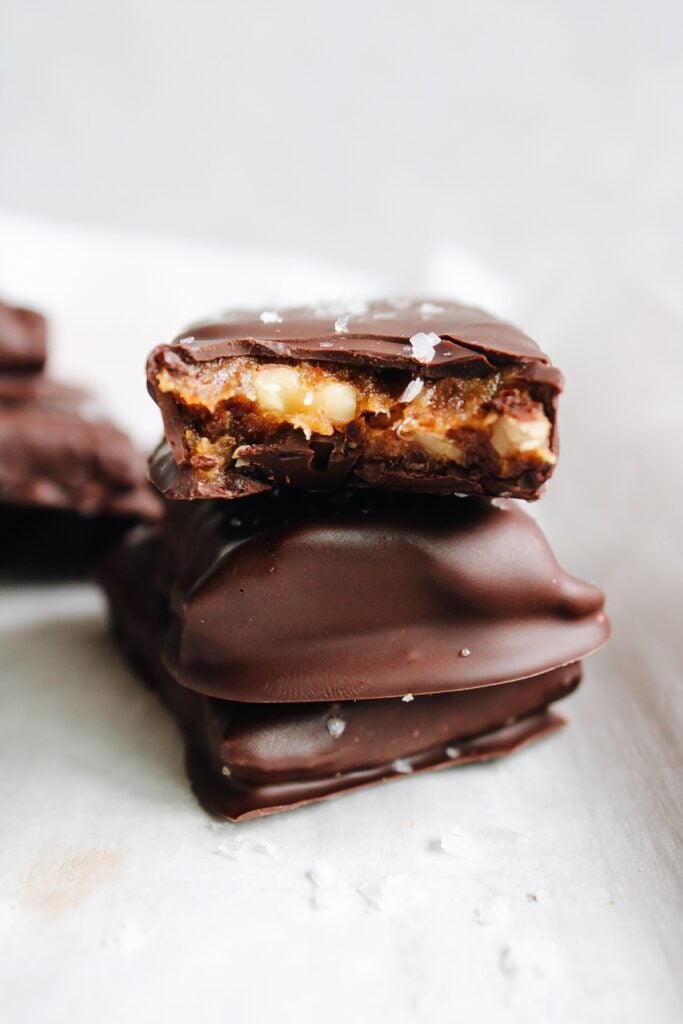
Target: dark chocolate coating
<point>23,339</point>
<point>246,760</point>
<point>58,451</point>
<point>293,597</point>
<point>378,336</point>
<point>473,343</point>
<point>237,800</point>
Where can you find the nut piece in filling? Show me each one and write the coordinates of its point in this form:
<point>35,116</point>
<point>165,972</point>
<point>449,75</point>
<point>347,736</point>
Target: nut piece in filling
<point>495,424</point>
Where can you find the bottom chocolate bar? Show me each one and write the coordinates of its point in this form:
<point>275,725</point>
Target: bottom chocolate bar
<point>249,759</point>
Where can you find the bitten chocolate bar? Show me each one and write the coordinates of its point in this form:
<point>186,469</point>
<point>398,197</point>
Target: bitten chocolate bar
<point>334,632</point>
<point>416,396</point>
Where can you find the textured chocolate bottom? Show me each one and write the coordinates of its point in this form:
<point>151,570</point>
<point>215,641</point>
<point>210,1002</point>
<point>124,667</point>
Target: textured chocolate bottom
<point>237,801</point>
<point>248,759</point>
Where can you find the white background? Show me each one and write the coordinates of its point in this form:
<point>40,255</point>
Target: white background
<point>523,155</point>
<point>533,131</point>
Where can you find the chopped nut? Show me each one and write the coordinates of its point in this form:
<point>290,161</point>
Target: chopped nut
<point>470,422</point>
<point>431,441</point>
<point>278,389</point>
<point>511,436</point>
<point>338,402</point>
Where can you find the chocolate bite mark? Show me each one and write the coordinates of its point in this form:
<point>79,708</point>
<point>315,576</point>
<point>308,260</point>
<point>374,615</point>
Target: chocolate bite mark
<point>453,402</point>
<point>231,411</point>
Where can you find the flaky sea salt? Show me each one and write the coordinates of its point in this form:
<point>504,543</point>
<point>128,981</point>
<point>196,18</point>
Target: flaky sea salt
<point>373,894</point>
<point>326,344</point>
<point>412,390</point>
<point>453,752</point>
<point>431,309</point>
<point>424,346</point>
<point>232,849</point>
<point>335,726</point>
<point>341,324</point>
<point>407,698</point>
<point>458,844</point>
<point>321,873</point>
<point>402,766</point>
<point>329,892</point>
<point>269,316</point>
<point>492,913</point>
<point>265,849</point>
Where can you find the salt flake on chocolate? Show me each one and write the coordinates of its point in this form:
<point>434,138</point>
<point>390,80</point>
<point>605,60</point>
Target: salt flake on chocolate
<point>341,324</point>
<point>424,346</point>
<point>402,766</point>
<point>335,726</point>
<point>269,316</point>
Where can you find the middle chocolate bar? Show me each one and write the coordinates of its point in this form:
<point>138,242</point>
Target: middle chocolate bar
<point>296,597</point>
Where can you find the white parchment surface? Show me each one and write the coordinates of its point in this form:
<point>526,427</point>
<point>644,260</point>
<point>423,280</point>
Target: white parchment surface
<point>544,888</point>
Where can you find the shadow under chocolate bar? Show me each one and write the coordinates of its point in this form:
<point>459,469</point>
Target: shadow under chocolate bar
<point>417,396</point>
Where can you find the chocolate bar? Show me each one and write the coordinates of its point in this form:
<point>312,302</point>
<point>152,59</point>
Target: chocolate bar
<point>70,481</point>
<point>249,759</point>
<point>412,396</point>
<point>58,451</point>
<point>312,644</point>
<point>289,596</point>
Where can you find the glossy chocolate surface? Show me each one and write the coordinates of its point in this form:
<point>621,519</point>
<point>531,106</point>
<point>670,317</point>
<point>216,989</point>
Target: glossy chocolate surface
<point>293,597</point>
<point>246,760</point>
<point>376,334</point>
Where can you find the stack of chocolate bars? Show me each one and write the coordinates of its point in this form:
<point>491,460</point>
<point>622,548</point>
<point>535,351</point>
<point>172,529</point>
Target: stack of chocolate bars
<point>341,592</point>
<point>69,479</point>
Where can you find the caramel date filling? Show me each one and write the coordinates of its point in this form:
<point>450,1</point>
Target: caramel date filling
<point>230,404</point>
